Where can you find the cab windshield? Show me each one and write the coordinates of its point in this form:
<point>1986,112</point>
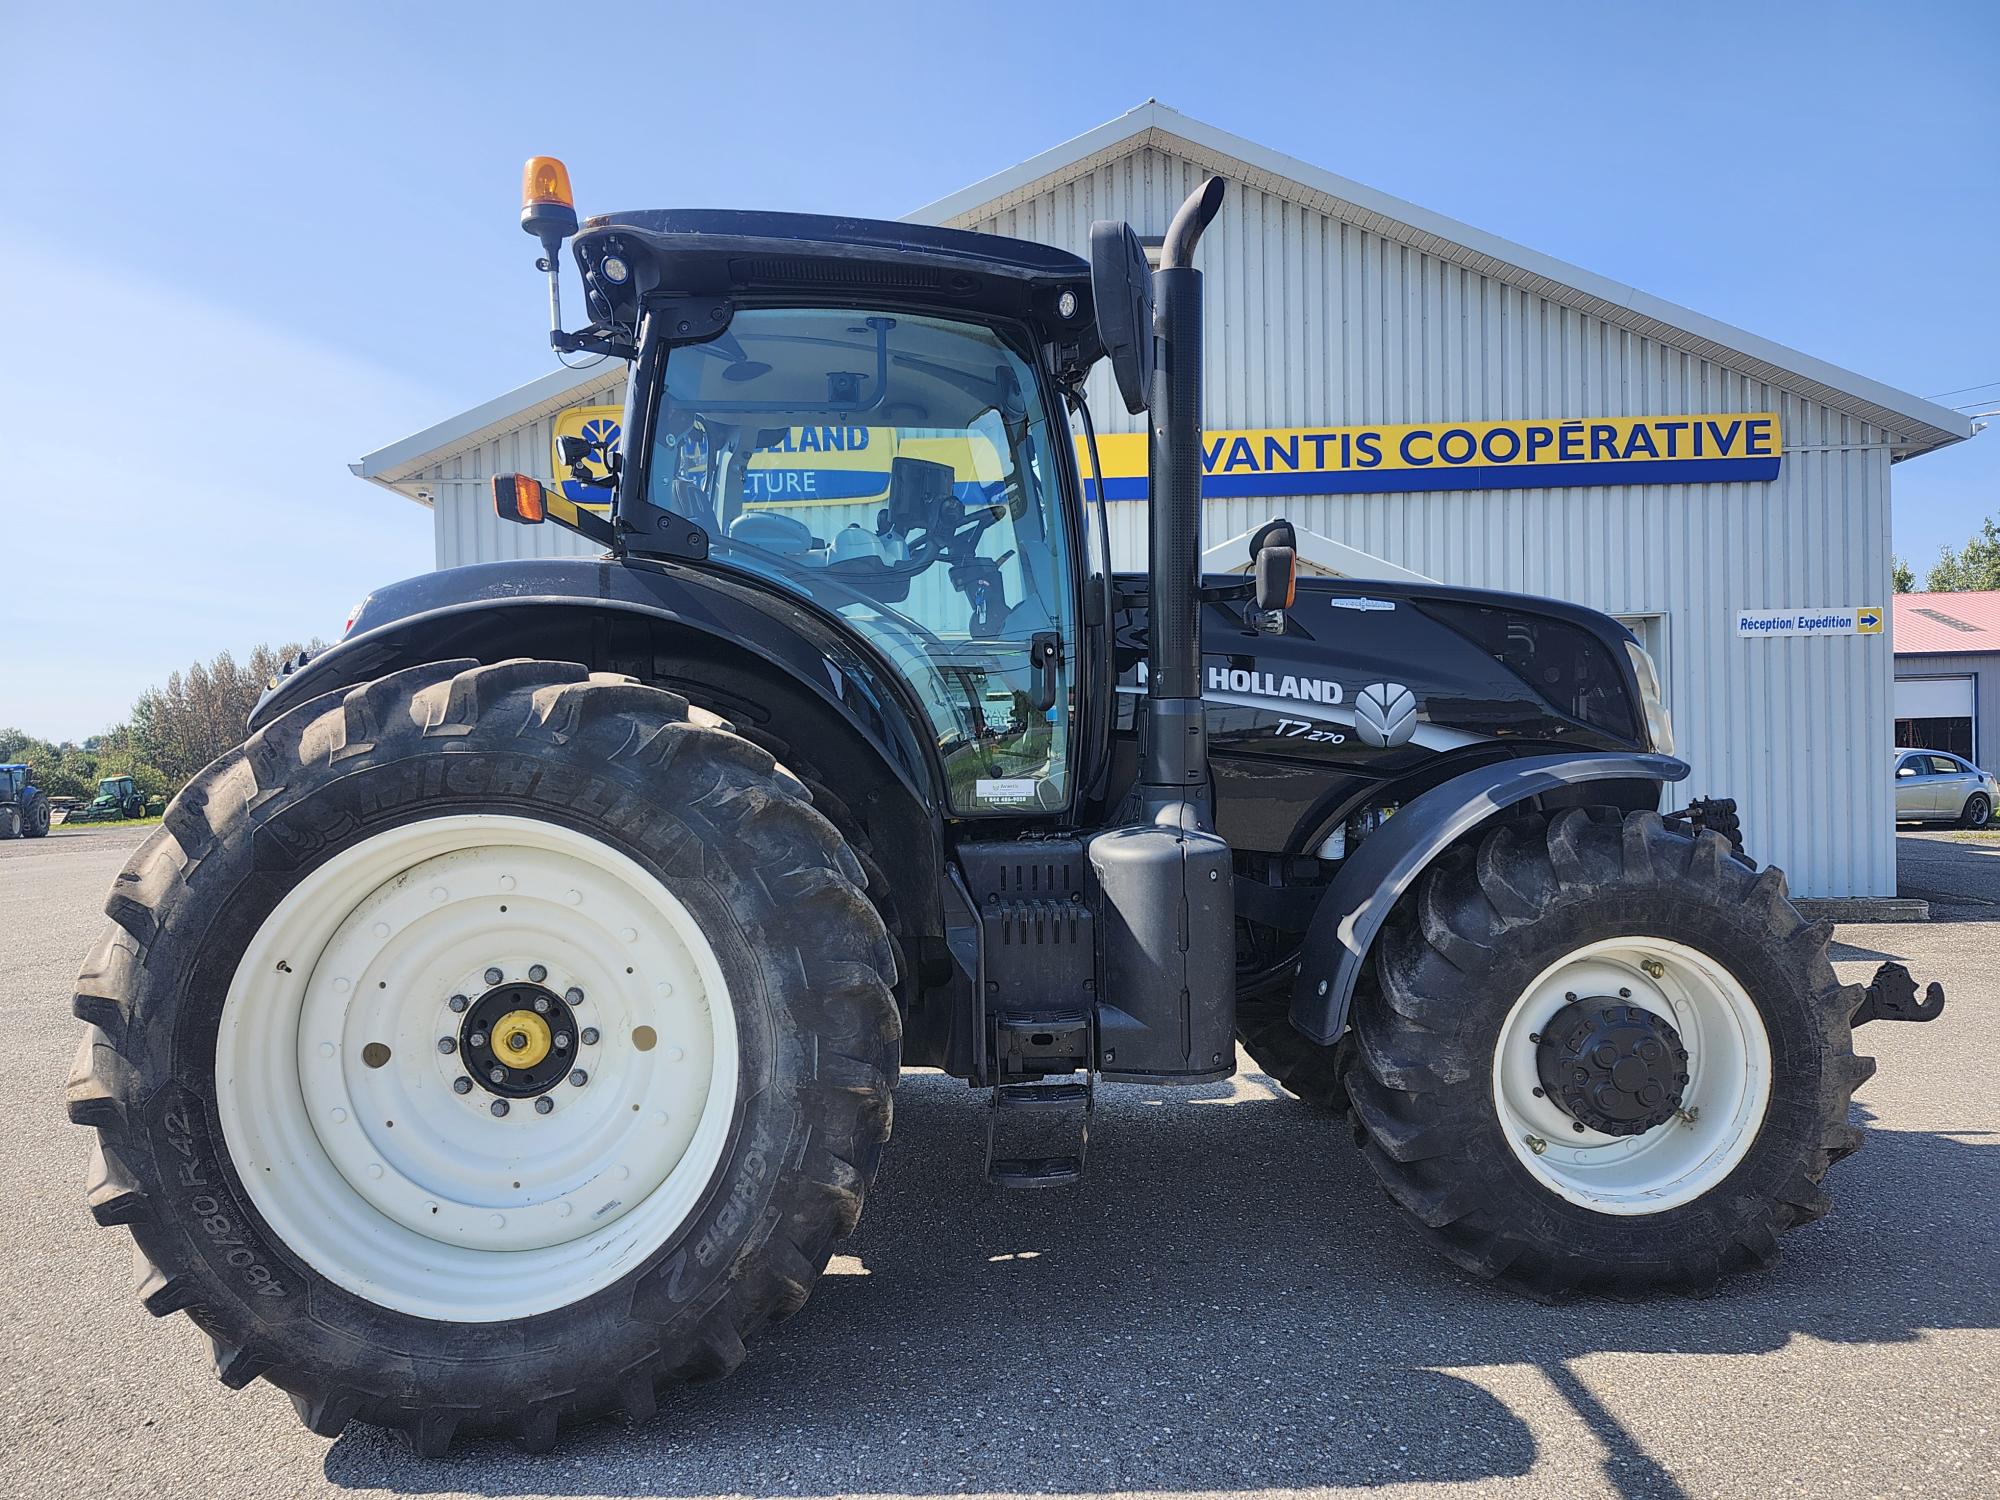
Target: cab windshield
<point>898,471</point>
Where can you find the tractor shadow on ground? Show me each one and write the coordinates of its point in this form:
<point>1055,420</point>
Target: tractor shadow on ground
<point>1228,1302</point>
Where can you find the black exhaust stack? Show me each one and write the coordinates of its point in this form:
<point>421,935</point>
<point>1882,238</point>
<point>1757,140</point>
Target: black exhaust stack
<point>1176,733</point>
<point>1164,885</point>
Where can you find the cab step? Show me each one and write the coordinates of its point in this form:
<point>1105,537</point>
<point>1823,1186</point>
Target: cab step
<point>1052,1114</point>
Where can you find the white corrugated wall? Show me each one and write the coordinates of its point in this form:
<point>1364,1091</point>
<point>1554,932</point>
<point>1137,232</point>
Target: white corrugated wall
<point>462,516</point>
<point>1314,321</point>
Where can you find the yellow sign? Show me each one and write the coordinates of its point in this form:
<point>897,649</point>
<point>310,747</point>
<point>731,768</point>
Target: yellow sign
<point>1464,455</point>
<point>601,424</point>
<point>850,465</point>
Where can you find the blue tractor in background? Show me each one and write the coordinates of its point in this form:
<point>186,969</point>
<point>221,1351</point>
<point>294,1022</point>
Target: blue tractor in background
<point>24,811</point>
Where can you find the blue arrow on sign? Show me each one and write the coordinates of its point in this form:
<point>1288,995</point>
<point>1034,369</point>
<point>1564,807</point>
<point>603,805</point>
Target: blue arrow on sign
<point>1869,619</point>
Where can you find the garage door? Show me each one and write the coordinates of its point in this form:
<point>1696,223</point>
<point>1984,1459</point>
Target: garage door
<point>1933,697</point>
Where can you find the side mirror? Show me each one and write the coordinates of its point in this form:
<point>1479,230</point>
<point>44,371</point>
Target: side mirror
<point>1121,287</point>
<point>520,499</point>
<point>1274,562</point>
<point>1277,577</point>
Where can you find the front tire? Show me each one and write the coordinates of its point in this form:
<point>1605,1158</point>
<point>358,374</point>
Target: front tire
<point>285,1012</point>
<point>1667,944</point>
<point>1306,1070</point>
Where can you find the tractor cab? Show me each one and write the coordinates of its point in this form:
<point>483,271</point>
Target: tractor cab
<point>871,418</point>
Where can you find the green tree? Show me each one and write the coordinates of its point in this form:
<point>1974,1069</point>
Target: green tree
<point>1975,567</point>
<point>1901,579</point>
<point>200,713</point>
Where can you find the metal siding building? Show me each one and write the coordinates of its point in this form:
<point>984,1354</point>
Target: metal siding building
<point>1980,677</point>
<point>1330,304</point>
<point>1948,666</point>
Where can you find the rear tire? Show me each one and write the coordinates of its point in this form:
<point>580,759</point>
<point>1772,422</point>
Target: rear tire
<point>531,757</point>
<point>35,819</point>
<point>1978,812</point>
<point>1440,1075</point>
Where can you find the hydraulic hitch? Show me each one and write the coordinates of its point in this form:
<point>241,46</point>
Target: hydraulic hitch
<point>1892,996</point>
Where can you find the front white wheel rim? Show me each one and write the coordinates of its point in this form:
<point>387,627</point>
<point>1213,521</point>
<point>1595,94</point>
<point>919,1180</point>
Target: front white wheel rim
<point>395,1186</point>
<point>1723,1105</point>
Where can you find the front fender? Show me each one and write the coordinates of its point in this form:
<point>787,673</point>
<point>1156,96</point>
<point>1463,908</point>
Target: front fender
<point>1388,862</point>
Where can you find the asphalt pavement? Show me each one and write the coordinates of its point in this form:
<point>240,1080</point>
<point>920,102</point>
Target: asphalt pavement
<point>1228,1305</point>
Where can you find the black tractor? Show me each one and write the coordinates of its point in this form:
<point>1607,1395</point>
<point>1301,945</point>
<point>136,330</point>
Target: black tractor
<point>508,1028</point>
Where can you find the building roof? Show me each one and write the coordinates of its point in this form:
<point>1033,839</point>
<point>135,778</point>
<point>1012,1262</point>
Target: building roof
<point>1919,425</point>
<point>1922,424</point>
<point>1942,624</point>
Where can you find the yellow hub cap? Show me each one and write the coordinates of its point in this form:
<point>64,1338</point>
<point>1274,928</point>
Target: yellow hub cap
<point>521,1039</point>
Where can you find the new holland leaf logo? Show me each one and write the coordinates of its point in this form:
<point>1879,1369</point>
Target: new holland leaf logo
<point>1385,714</point>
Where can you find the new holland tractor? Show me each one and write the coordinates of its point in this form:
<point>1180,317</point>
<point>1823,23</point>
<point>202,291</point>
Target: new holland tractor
<point>508,1028</point>
<point>24,810</point>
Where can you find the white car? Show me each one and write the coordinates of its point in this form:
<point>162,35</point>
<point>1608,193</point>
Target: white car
<point>1933,787</point>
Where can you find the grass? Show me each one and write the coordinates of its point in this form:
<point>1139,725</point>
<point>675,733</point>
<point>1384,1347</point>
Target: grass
<point>1974,835</point>
<point>83,828</point>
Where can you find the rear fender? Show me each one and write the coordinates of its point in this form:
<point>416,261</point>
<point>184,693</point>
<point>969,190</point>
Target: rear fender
<point>1388,862</point>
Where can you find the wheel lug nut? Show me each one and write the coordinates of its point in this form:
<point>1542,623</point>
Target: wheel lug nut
<point>590,1036</point>
<point>461,1085</point>
<point>447,1044</point>
<point>458,1002</point>
<point>544,1104</point>
<point>562,1041</point>
<point>499,1075</point>
<point>579,1078</point>
<point>541,1005</point>
<point>499,1106</point>
<point>1577,1126</point>
<point>477,1039</point>
<point>538,972</point>
<point>573,995</point>
<point>494,976</point>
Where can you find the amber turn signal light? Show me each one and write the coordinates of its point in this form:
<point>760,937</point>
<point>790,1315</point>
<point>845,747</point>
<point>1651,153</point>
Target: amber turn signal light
<point>518,498</point>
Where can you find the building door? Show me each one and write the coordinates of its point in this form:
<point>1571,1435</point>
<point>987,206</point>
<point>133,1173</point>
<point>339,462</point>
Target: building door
<point>1936,713</point>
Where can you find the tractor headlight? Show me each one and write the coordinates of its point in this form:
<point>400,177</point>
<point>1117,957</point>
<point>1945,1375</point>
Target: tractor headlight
<point>1659,723</point>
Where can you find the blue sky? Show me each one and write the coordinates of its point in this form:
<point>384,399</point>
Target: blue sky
<point>241,246</point>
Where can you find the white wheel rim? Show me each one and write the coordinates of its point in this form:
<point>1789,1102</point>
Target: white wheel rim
<point>401,1190</point>
<point>1725,1098</point>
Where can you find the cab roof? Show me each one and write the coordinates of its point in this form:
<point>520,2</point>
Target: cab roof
<point>747,253</point>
